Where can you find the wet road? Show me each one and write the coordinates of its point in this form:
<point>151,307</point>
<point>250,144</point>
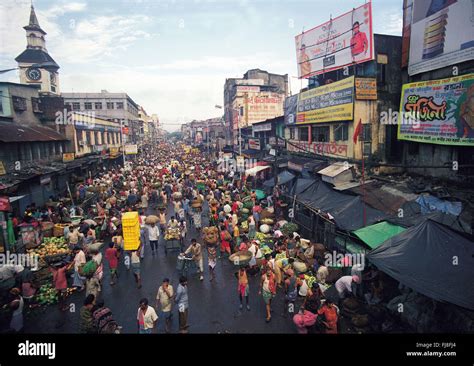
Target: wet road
<point>213,306</point>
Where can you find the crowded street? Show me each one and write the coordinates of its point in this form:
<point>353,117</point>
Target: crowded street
<point>169,167</point>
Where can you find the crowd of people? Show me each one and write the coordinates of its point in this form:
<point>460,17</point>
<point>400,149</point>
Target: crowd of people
<point>185,181</point>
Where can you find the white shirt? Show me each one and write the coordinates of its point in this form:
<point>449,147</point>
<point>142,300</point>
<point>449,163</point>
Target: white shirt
<point>149,317</point>
<point>303,289</point>
<point>153,233</point>
<point>344,284</point>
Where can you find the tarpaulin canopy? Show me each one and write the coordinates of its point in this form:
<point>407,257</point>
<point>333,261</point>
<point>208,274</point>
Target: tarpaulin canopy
<point>283,178</point>
<point>431,259</point>
<point>256,169</point>
<point>376,234</point>
<point>430,203</point>
<point>302,185</point>
<point>412,216</point>
<point>347,210</point>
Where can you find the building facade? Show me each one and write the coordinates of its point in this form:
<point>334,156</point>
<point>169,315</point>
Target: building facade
<point>369,89</point>
<point>257,96</point>
<point>117,107</point>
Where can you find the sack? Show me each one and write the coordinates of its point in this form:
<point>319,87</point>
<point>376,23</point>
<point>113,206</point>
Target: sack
<point>88,269</point>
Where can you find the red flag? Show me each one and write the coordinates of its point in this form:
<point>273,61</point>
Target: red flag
<point>357,131</point>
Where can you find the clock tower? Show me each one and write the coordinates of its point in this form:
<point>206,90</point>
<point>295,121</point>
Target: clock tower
<point>37,67</point>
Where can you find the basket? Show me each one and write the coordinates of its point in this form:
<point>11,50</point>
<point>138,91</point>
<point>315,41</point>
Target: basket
<point>241,258</point>
<point>95,246</point>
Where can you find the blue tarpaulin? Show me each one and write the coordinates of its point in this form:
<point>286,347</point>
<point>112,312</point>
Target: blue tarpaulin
<point>430,204</point>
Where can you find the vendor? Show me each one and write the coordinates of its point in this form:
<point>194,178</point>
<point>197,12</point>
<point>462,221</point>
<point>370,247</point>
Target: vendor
<point>196,251</point>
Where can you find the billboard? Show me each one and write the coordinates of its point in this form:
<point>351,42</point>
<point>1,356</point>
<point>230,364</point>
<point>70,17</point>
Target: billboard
<point>254,144</point>
<point>328,103</point>
<point>366,88</point>
<point>67,157</point>
<point>131,149</point>
<point>441,34</point>
<point>342,41</point>
<point>438,111</point>
<point>291,104</point>
<point>257,107</point>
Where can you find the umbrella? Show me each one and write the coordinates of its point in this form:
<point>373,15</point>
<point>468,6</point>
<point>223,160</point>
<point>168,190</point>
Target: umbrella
<point>90,222</point>
<point>260,194</point>
<point>152,219</point>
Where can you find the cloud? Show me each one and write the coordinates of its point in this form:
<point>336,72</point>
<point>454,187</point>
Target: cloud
<point>72,7</point>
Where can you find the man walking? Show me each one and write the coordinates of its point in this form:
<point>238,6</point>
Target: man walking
<point>182,302</point>
<point>146,317</point>
<point>196,251</point>
<point>164,300</point>
<point>153,236</point>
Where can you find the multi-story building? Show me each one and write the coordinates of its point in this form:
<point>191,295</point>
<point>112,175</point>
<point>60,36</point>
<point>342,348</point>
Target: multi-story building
<point>439,91</point>
<point>210,132</point>
<point>258,96</point>
<point>117,107</point>
<point>370,89</point>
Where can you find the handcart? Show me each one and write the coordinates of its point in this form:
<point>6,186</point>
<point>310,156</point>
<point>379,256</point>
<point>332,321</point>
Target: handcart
<point>185,264</point>
<point>173,244</point>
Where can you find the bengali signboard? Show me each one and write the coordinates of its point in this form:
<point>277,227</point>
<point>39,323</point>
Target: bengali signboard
<point>262,106</point>
<point>131,149</point>
<point>68,157</point>
<point>320,148</point>
<point>328,103</point>
<point>248,89</point>
<point>114,152</point>
<point>254,144</point>
<point>342,41</point>
<point>441,33</point>
<point>438,111</point>
<point>366,88</point>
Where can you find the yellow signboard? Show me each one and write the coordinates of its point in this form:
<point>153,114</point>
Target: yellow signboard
<point>366,88</point>
<point>2,169</point>
<point>114,152</point>
<point>67,157</point>
<point>327,103</point>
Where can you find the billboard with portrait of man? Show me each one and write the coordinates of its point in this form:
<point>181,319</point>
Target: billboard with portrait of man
<point>342,41</point>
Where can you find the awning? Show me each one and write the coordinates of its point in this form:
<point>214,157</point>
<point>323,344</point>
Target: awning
<point>16,198</point>
<point>12,132</point>
<point>255,170</point>
<point>431,259</point>
<point>374,235</point>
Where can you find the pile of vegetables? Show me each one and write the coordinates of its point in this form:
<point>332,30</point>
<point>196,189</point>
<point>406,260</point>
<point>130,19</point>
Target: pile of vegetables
<point>50,246</point>
<point>245,226</point>
<point>172,234</point>
<point>46,295</point>
<point>310,279</point>
<point>267,221</point>
<point>289,228</point>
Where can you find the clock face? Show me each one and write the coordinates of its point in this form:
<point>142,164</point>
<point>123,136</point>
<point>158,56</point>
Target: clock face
<point>33,74</point>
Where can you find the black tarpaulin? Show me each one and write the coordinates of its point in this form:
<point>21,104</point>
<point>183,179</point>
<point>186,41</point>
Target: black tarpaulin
<point>431,259</point>
<point>283,178</point>
<point>347,210</point>
<point>301,185</point>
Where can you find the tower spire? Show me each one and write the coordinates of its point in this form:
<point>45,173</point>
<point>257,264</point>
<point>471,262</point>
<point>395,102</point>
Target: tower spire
<point>33,24</point>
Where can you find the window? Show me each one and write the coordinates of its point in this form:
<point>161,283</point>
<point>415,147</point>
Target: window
<point>19,104</point>
<point>98,105</point>
<point>367,148</point>
<point>76,106</point>
<point>366,132</point>
<point>53,88</point>
<point>303,134</point>
<point>381,73</point>
<point>87,105</point>
<point>35,102</point>
<point>1,102</point>
<point>341,132</point>
<point>110,105</point>
<point>320,134</point>
<point>119,105</point>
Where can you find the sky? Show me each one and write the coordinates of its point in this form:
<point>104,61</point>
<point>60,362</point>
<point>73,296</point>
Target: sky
<point>173,56</point>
